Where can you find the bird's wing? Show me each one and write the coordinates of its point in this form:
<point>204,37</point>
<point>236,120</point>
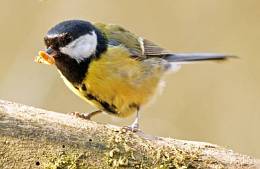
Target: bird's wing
<point>139,47</point>
<point>151,49</point>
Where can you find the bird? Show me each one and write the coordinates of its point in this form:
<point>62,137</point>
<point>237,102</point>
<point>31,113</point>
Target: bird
<point>110,67</point>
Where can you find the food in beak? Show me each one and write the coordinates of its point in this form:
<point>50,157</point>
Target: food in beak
<point>45,58</point>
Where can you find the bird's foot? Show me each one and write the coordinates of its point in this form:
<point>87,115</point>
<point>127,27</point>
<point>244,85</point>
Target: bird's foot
<point>86,116</point>
<point>81,115</point>
<point>133,127</point>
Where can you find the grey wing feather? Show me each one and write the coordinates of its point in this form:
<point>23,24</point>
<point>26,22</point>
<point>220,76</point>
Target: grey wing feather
<point>192,57</point>
<point>153,50</point>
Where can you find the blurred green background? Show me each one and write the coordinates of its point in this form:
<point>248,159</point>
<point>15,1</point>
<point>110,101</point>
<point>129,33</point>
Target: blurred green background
<point>217,103</point>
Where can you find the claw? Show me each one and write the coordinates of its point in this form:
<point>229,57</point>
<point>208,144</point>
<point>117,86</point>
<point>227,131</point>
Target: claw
<point>131,128</point>
<point>134,127</point>
<point>86,116</point>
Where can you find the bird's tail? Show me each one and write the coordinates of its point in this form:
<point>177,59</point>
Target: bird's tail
<point>194,57</point>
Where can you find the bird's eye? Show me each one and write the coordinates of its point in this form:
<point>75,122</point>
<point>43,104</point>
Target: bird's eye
<point>65,40</point>
<point>52,42</point>
<point>47,42</point>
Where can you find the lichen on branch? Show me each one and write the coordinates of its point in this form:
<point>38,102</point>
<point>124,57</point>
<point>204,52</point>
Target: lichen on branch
<point>36,138</point>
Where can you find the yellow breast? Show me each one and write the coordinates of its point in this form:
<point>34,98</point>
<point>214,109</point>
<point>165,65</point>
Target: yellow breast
<point>121,81</point>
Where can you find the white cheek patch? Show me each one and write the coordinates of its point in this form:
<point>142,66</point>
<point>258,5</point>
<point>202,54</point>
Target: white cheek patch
<point>81,48</point>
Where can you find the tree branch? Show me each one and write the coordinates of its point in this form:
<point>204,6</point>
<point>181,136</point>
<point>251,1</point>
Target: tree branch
<point>36,138</point>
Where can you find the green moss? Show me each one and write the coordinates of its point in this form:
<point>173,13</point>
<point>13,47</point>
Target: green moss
<point>123,154</point>
<point>121,150</point>
<point>65,161</point>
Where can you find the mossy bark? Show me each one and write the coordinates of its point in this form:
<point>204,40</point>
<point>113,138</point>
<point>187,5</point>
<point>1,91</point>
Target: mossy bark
<point>36,138</point>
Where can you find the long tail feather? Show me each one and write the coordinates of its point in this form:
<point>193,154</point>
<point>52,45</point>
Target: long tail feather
<point>191,57</point>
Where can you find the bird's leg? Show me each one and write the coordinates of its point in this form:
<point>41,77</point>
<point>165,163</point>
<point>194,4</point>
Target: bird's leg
<point>134,127</point>
<point>86,116</point>
<point>135,124</point>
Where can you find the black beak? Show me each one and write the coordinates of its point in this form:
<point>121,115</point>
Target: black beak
<point>50,51</point>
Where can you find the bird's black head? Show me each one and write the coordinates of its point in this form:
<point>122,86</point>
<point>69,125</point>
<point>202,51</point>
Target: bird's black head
<point>73,44</point>
<point>76,38</point>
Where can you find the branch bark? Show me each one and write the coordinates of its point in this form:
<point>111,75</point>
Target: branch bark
<point>36,138</point>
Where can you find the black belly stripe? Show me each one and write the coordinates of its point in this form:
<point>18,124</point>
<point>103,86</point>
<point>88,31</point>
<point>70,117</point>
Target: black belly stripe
<point>107,107</point>
<point>84,87</point>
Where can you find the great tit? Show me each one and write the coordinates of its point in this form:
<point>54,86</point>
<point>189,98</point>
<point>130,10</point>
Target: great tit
<point>110,67</point>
